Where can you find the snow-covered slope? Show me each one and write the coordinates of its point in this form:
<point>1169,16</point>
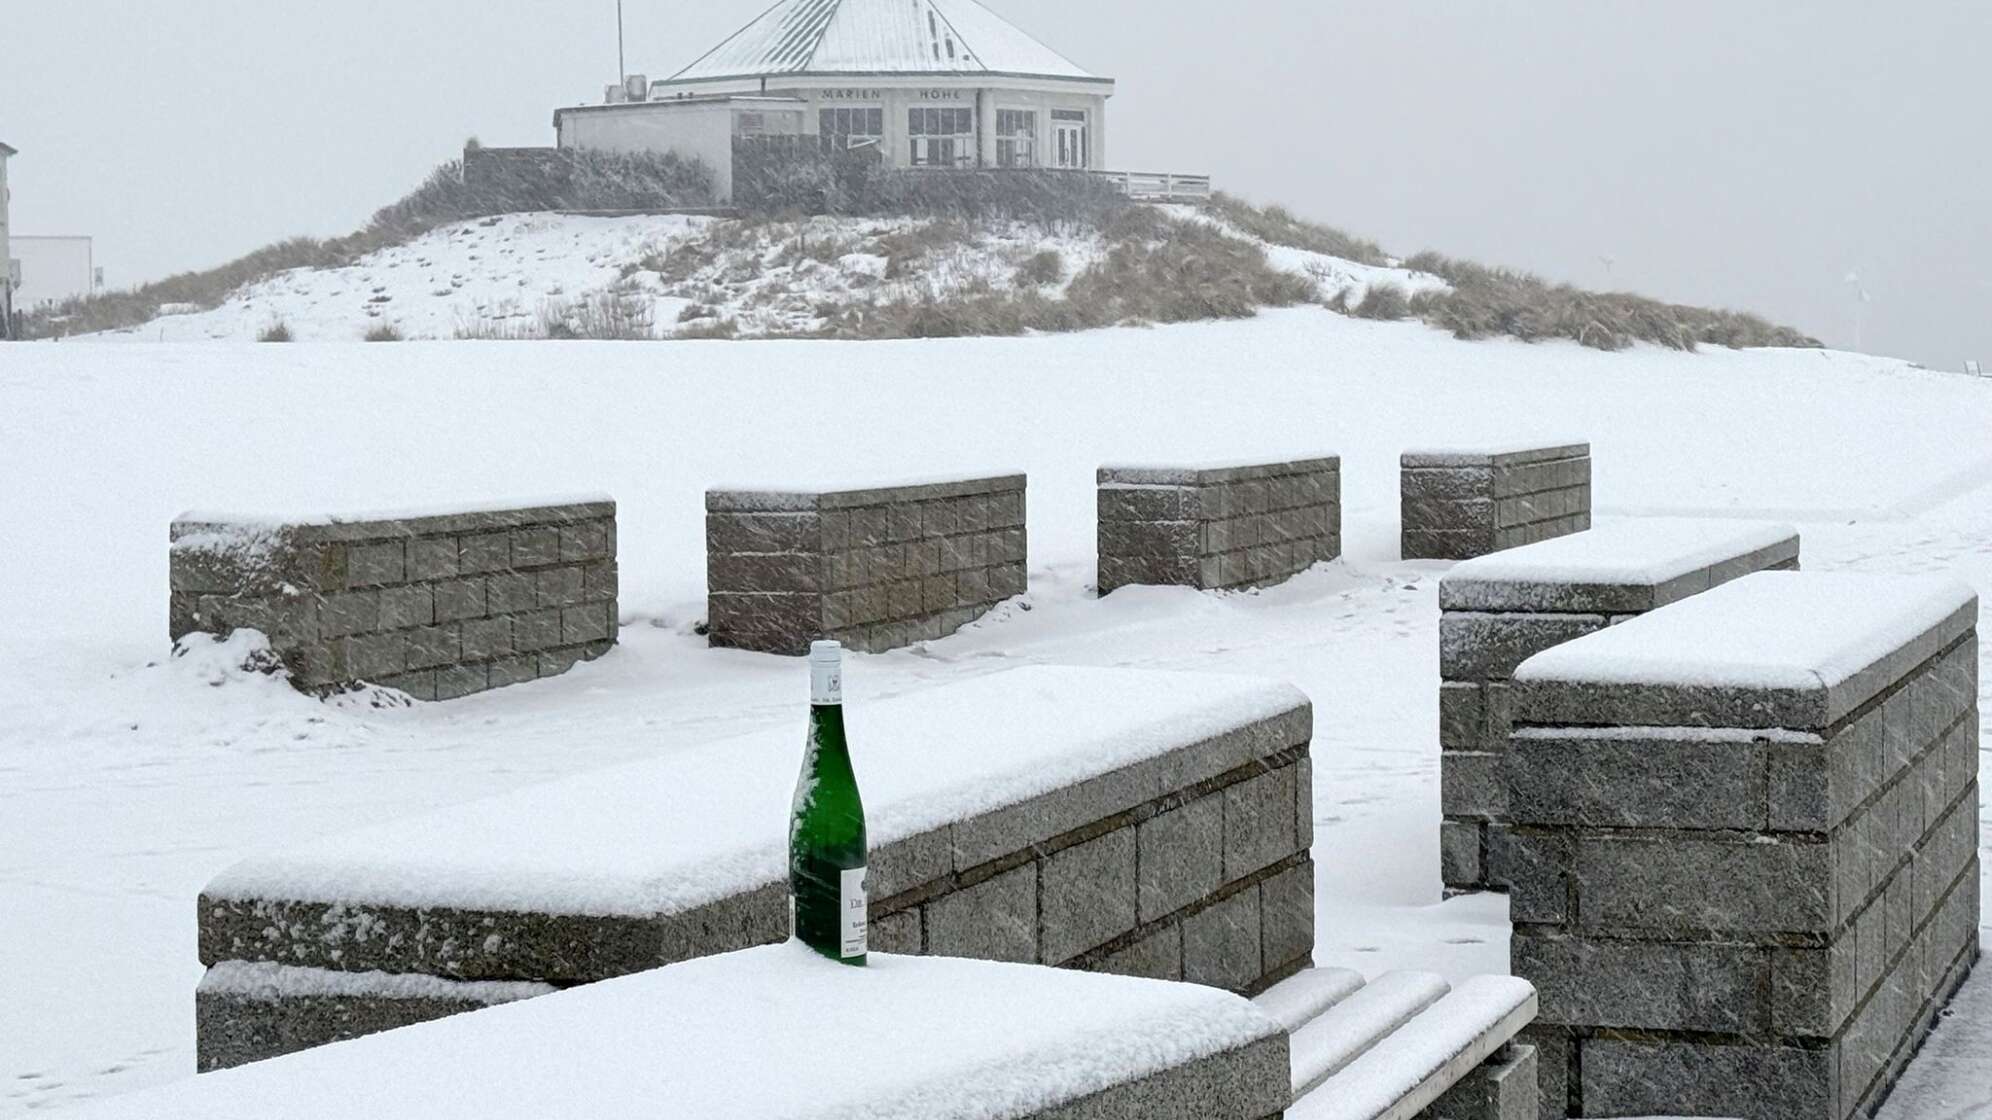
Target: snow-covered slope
<point>508,277</point>
<point>129,778</point>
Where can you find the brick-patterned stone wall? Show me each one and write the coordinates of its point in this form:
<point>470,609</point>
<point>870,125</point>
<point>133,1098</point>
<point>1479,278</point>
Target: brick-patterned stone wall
<point>1748,889</point>
<point>1462,504</point>
<point>438,606</point>
<point>1218,527</point>
<point>1192,864</point>
<point>1501,610</point>
<point>876,569</point>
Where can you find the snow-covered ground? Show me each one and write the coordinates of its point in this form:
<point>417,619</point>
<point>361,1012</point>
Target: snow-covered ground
<point>505,277</point>
<point>128,779</point>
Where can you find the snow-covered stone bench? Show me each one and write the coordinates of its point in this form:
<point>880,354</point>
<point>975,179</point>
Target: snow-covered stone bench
<point>1467,502</point>
<point>438,604</point>
<point>1748,829</point>
<point>1220,526</point>
<point>1153,824</point>
<point>776,1033</point>
<point>1501,610</point>
<point>876,568</point>
<point>1408,1045</point>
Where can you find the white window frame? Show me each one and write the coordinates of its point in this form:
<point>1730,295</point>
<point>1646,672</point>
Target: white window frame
<point>852,140</point>
<point>925,145</point>
<point>1032,139</point>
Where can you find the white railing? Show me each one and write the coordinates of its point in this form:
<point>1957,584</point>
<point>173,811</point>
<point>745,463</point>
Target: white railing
<point>1154,186</point>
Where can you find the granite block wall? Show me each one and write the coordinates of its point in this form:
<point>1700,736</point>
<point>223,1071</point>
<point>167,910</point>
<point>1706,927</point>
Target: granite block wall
<point>1494,617</point>
<point>1192,865</point>
<point>1217,527</point>
<point>875,569</point>
<point>1743,900</point>
<point>1462,504</point>
<point>438,606</point>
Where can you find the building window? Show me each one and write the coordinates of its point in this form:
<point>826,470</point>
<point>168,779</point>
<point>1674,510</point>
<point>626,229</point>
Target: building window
<point>1016,138</point>
<point>848,129</point>
<point>942,137</point>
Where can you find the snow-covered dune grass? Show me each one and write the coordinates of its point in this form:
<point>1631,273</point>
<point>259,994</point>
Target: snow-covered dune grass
<point>128,777</point>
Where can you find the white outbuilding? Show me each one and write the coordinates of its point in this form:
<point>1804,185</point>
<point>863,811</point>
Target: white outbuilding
<point>942,84</point>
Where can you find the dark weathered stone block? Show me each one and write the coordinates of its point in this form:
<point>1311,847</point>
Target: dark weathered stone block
<point>876,569</point>
<point>385,601</point>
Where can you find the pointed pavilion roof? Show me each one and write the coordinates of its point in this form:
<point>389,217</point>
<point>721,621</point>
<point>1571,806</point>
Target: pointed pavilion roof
<point>879,37</point>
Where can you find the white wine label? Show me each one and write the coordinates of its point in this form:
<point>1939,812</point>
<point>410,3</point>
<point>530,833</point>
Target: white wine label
<point>826,683</point>
<point>856,925</point>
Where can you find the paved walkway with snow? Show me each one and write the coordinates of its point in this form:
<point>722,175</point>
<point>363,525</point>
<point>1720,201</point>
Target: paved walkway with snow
<point>127,780</point>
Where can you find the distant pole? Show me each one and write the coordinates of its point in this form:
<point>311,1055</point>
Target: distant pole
<point>622,67</point>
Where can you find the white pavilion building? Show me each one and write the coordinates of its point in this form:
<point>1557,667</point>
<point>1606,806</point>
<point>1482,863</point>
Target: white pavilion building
<point>927,83</point>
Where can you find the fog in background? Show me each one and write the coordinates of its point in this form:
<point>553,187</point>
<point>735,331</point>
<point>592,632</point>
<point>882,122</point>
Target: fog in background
<point>1738,153</point>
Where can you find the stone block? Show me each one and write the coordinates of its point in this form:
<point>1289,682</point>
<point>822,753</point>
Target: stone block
<point>355,612</point>
<point>585,541</point>
<point>1677,883</point>
<point>1158,956</point>
<point>432,558</point>
<point>376,563</point>
<point>1633,985</point>
<point>1627,1078</point>
<point>1286,917</point>
<point>994,920</point>
<point>581,625</point>
<point>487,639</point>
<point>896,933</point>
<point>484,553</point>
<point>535,547</point>
<point>1504,1087</point>
<point>1222,943</point>
<point>1259,822</point>
<point>1181,857</point>
<point>1459,855</point>
<point>403,607</point>
<point>1614,778</point>
<point>457,681</point>
<point>1088,896</point>
<point>1473,785</point>
<point>1477,646</point>
<point>370,657</point>
<point>538,630</point>
<point>1535,867</point>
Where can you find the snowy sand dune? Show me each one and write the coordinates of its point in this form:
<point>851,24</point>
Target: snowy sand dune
<point>128,779</point>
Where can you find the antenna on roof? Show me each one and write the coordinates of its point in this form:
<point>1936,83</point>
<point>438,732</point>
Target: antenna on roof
<point>622,67</point>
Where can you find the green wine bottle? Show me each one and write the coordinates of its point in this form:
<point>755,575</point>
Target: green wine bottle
<point>827,854</point>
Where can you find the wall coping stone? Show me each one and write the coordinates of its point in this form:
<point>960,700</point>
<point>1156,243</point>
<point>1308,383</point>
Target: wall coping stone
<point>1799,650</point>
<point>696,1039</point>
<point>1211,473</point>
<point>667,835</point>
<point>1498,455</point>
<point>195,529</point>
<point>1624,566</point>
<point>739,499</point>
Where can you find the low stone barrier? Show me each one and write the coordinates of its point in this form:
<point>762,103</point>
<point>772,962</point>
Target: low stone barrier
<point>1466,503</point>
<point>1499,611</point>
<point>1165,834</point>
<point>778,1032</point>
<point>876,569</point>
<point>1227,526</point>
<point>438,605</point>
<point>1749,821</point>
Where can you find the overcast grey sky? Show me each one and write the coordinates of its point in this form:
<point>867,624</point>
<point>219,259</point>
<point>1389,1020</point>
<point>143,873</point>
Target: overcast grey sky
<point>1728,152</point>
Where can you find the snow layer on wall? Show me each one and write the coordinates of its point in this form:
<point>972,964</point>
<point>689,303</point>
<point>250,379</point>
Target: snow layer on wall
<point>671,834</point>
<point>774,1033</point>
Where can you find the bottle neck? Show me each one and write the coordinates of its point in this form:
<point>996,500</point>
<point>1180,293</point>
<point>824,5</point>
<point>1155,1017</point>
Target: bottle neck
<point>826,684</point>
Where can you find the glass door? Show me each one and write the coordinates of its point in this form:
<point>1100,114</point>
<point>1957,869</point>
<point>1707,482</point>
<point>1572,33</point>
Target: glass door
<point>1071,144</point>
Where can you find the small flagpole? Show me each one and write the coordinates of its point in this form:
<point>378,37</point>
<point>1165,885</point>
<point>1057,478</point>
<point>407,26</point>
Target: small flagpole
<point>622,67</point>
